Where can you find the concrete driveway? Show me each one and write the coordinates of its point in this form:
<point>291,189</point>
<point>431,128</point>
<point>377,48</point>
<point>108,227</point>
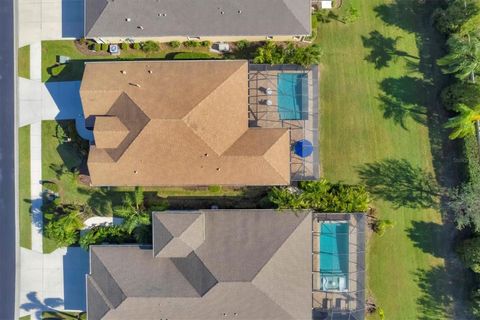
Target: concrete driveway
<point>51,101</point>
<point>54,281</point>
<point>49,20</point>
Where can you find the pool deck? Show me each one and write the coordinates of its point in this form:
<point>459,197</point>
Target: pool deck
<point>262,115</point>
<point>352,300</point>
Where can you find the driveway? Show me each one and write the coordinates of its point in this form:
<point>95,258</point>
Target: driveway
<point>51,101</point>
<point>49,20</point>
<point>53,281</point>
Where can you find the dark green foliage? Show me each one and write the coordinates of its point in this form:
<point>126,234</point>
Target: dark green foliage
<point>104,47</point>
<point>465,204</point>
<point>380,226</point>
<point>469,251</point>
<point>124,46</point>
<point>97,47</point>
<point>455,17</point>
<point>174,44</point>
<point>475,300</point>
<point>322,196</point>
<point>191,44</point>
<point>150,46</point>
<point>242,44</point>
<point>272,53</point>
<point>105,234</point>
<point>64,225</point>
<point>461,92</point>
<point>472,157</point>
<point>137,46</point>
<point>51,186</point>
<point>205,43</point>
<point>463,58</point>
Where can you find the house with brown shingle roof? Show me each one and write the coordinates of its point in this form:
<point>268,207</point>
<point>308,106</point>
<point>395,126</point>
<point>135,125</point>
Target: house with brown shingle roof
<point>178,123</point>
<point>209,264</point>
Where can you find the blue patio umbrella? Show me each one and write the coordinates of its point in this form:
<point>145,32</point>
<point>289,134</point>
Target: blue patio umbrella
<point>303,148</point>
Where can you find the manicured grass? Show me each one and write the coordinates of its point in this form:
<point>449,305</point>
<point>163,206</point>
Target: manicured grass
<point>370,114</point>
<point>25,221</point>
<point>25,318</point>
<point>24,62</point>
<point>74,69</point>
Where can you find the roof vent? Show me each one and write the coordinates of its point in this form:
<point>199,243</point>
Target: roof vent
<point>135,85</point>
<point>150,71</point>
<point>140,27</point>
<point>123,72</point>
<point>222,12</point>
<point>128,19</point>
<point>239,11</point>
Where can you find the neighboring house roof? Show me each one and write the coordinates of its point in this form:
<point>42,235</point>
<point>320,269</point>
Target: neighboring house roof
<point>250,264</point>
<point>178,123</point>
<point>164,18</point>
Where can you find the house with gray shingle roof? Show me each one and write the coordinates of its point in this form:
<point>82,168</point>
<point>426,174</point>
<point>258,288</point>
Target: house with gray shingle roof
<point>208,264</point>
<point>120,20</point>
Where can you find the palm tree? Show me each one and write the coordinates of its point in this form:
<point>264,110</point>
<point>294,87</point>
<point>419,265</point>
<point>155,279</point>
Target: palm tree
<point>308,55</point>
<point>464,57</point>
<point>269,53</point>
<point>134,213</point>
<point>463,123</point>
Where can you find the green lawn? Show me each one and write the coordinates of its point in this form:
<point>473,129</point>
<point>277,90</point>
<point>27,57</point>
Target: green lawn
<point>74,69</point>
<point>380,125</point>
<point>63,315</point>
<point>25,318</point>
<point>24,62</point>
<point>24,187</point>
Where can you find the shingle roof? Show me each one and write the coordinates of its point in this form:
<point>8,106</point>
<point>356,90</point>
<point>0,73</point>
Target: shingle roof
<point>161,18</point>
<point>253,264</point>
<point>187,124</point>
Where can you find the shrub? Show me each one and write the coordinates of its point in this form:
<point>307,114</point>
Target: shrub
<point>82,41</point>
<point>380,226</point>
<point>136,46</point>
<point>321,196</point>
<point>124,46</point>
<point>51,186</point>
<point>205,43</point>
<point>461,92</point>
<point>104,46</point>
<point>104,234</point>
<point>174,44</point>
<point>150,46</point>
<point>242,45</point>
<point>97,47</point>
<point>64,229</point>
<point>191,44</point>
<point>469,251</point>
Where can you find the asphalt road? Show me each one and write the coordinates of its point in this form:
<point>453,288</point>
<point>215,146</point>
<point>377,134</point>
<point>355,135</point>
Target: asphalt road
<point>8,245</point>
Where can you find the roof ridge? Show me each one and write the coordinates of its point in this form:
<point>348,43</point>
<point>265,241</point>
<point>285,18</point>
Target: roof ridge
<point>101,293</point>
<point>268,161</point>
<point>306,214</point>
<point>96,19</point>
<point>294,13</point>
<point>111,275</point>
<point>241,63</point>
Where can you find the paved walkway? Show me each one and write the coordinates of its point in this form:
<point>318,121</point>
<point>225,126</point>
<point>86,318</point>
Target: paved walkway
<point>36,61</point>
<point>52,281</point>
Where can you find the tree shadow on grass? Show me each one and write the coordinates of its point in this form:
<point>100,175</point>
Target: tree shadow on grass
<point>436,296</point>
<point>383,50</point>
<point>427,236</point>
<point>400,183</point>
<point>401,99</point>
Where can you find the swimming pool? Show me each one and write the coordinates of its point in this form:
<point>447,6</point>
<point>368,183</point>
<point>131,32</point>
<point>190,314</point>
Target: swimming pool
<point>334,256</point>
<point>292,95</point>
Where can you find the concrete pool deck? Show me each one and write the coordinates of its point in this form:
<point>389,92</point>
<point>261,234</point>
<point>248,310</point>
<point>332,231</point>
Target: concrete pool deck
<point>351,301</point>
<point>267,115</point>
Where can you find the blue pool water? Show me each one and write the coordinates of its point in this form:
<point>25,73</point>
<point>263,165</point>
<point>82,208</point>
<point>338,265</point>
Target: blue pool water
<point>292,95</point>
<point>334,255</point>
